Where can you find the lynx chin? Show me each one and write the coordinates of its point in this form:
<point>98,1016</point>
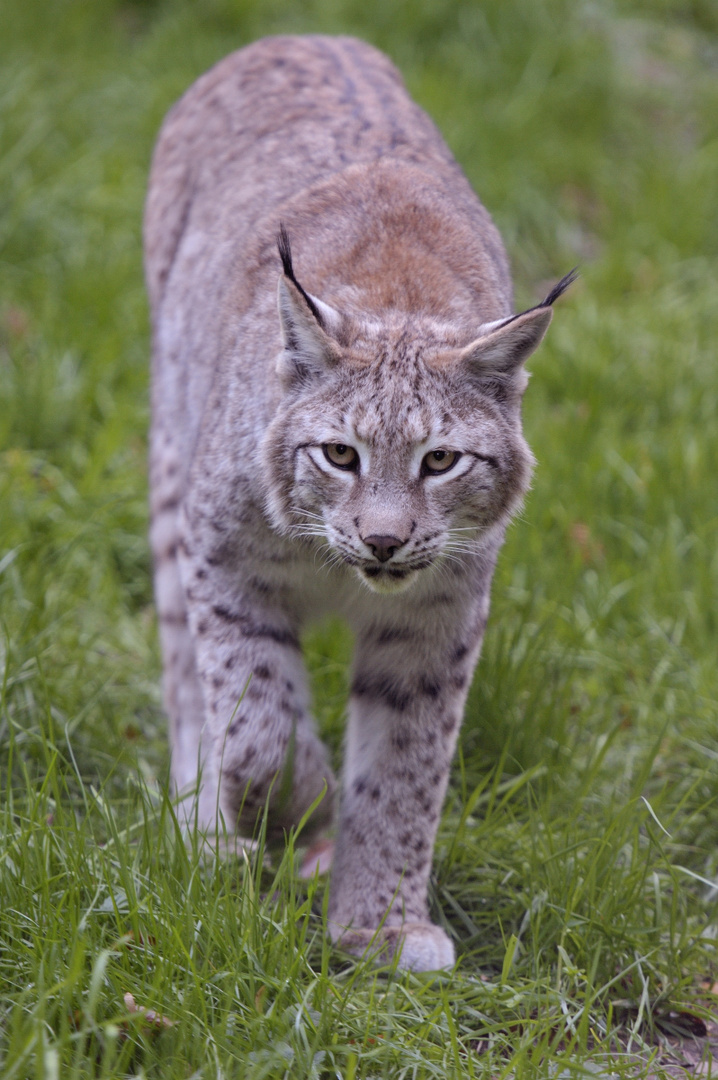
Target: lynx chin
<point>336,396</point>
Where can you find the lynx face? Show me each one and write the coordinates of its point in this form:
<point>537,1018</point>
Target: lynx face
<point>395,448</point>
<point>396,481</point>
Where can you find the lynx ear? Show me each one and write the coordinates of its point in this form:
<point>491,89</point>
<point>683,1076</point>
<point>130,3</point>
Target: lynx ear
<point>504,346</point>
<point>501,349</point>
<point>306,325</point>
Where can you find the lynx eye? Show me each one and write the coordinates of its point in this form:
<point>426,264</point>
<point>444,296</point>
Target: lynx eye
<point>341,456</point>
<point>439,461</point>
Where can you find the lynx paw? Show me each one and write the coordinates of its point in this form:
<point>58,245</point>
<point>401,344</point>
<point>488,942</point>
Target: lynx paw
<point>421,946</point>
<point>318,859</point>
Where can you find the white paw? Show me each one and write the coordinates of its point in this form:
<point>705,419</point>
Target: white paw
<point>425,948</point>
<point>421,946</point>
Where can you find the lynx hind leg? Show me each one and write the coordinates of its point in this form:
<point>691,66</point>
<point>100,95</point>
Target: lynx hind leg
<point>194,782</point>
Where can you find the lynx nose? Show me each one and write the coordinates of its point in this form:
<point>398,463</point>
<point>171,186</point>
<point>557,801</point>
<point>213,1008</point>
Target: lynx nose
<point>383,547</point>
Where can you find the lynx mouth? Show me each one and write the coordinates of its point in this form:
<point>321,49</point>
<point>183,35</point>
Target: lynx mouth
<point>382,579</point>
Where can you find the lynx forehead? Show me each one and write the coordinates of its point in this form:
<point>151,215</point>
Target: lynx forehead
<point>336,393</point>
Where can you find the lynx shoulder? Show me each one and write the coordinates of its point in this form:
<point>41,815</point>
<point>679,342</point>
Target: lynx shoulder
<point>336,392</point>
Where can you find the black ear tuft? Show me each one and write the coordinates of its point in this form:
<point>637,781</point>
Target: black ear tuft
<point>285,254</point>
<point>560,288</point>
<point>552,297</point>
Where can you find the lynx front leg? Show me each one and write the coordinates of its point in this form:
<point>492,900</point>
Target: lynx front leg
<point>407,701</point>
<point>249,664</point>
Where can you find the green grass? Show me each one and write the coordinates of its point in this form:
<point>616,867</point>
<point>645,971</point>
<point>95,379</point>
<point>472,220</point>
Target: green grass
<point>580,832</point>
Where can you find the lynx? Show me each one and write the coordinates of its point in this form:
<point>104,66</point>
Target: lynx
<point>349,444</point>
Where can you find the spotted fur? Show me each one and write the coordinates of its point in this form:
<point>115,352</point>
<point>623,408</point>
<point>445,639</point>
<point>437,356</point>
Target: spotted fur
<point>349,444</point>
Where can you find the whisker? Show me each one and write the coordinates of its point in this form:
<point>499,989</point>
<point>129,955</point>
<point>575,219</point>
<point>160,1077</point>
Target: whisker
<point>439,570</point>
<point>319,533</point>
<point>308,529</point>
<point>306,513</point>
<point>468,549</point>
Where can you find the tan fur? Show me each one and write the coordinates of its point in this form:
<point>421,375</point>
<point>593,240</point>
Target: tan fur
<point>391,338</point>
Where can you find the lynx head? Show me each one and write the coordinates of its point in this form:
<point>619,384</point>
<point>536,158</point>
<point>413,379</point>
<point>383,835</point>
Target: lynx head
<point>398,440</point>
